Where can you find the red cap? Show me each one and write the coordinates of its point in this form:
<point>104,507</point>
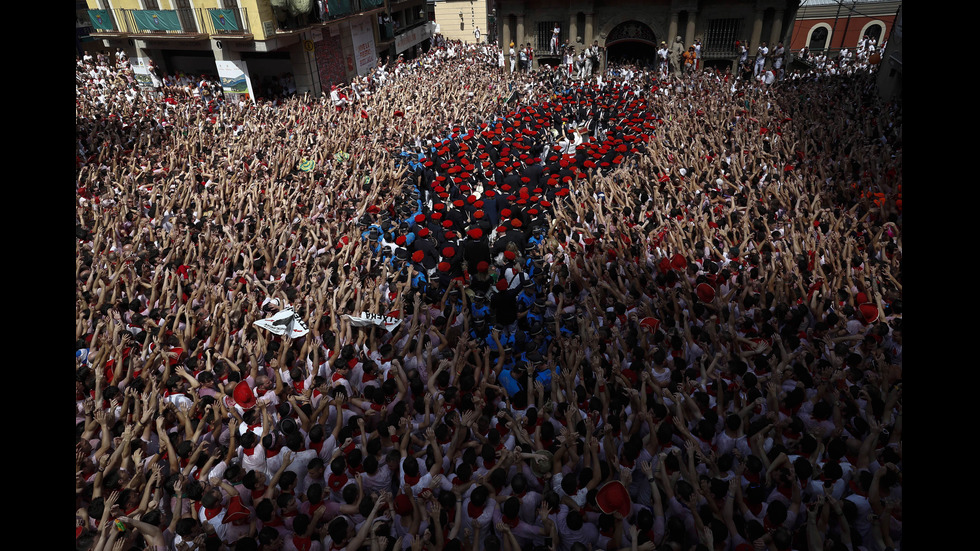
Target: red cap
<point>613,497</point>
<point>678,262</point>
<point>243,395</point>
<point>705,292</point>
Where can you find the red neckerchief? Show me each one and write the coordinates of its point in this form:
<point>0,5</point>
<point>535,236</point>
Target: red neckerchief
<point>316,505</point>
<point>336,482</point>
<point>756,508</point>
<point>302,543</point>
<point>257,493</point>
<point>316,446</point>
<point>211,513</point>
<point>512,522</point>
<point>412,480</point>
<point>473,511</point>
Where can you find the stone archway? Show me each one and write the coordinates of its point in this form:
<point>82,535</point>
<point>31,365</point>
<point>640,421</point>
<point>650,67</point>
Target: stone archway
<point>631,40</point>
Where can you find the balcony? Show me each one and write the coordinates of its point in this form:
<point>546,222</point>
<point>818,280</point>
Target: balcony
<point>180,23</point>
<point>287,21</point>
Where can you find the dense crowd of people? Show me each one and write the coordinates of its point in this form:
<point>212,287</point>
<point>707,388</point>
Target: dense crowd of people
<point>454,307</point>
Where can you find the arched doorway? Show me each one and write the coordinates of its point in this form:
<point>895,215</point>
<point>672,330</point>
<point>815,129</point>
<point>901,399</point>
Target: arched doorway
<point>632,42</point>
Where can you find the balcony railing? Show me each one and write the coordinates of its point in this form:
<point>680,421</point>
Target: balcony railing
<point>183,21</point>
<point>286,21</point>
<point>227,21</point>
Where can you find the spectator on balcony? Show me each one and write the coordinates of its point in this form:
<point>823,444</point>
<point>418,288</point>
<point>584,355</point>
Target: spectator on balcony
<point>690,61</point>
<point>778,58</point>
<point>760,59</point>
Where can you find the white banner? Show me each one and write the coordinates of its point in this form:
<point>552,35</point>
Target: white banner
<point>362,36</point>
<point>408,39</point>
<point>142,74</point>
<point>374,319</point>
<point>284,323</point>
<point>234,77</point>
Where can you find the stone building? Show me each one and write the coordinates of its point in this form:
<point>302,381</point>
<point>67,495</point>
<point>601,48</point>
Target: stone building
<point>630,29</point>
<point>259,47</point>
<point>827,26</point>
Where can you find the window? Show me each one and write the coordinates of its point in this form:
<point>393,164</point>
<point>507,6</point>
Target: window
<point>818,39</point>
<point>874,32</point>
<point>720,38</point>
<point>543,36</point>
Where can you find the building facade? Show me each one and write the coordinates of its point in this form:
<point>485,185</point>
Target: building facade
<point>253,44</point>
<point>828,26</point>
<point>460,20</point>
<point>628,29</point>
